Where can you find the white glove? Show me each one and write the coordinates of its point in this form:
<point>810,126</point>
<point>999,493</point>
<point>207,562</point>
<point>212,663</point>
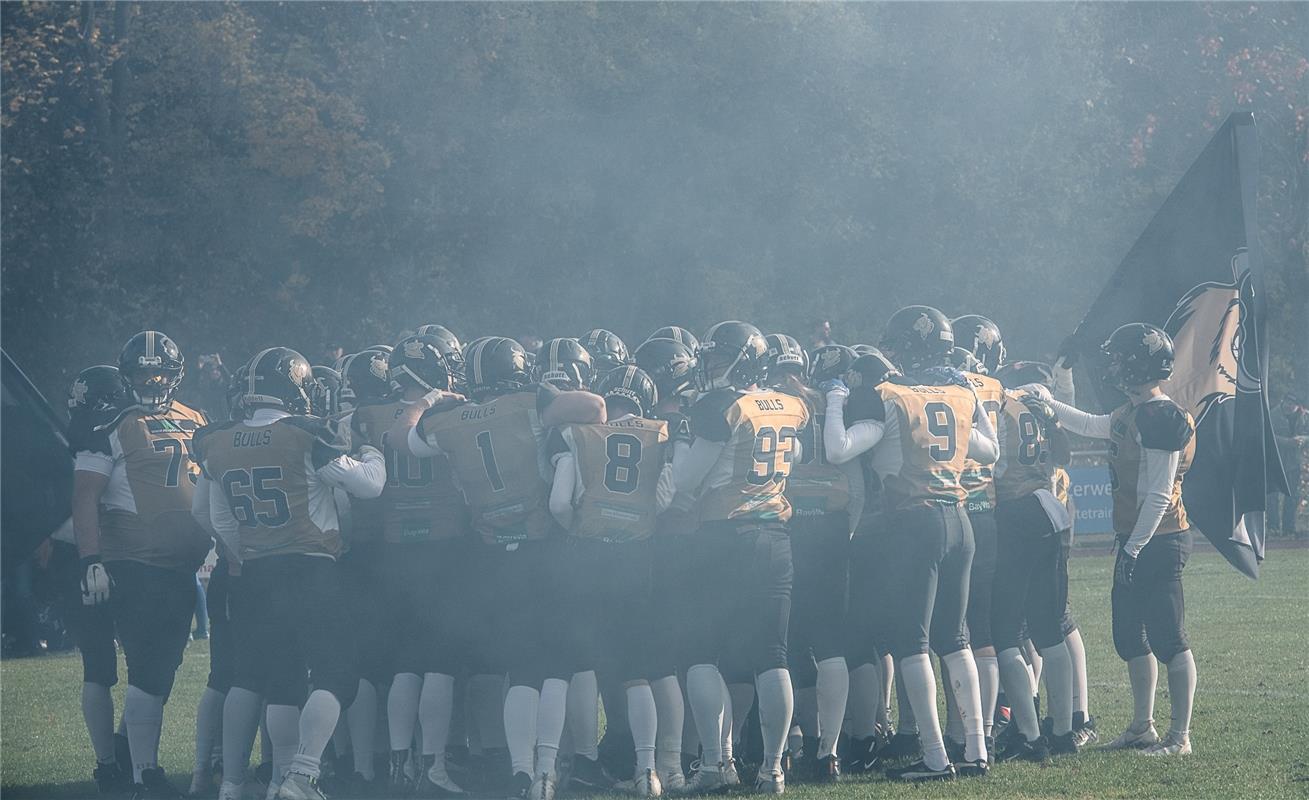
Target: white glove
<point>96,583</point>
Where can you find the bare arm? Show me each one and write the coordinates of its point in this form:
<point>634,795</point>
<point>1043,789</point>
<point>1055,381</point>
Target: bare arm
<point>579,408</point>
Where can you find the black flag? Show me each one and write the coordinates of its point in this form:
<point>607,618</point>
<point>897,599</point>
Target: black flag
<point>36,469</point>
<point>1196,271</point>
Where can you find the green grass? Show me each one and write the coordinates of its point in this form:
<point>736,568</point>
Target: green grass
<point>1249,732</point>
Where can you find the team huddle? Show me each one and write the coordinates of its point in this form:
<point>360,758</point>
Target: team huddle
<point>435,559</point>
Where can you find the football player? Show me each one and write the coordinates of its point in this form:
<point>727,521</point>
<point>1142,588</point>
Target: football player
<point>269,480</point>
<point>930,422</point>
<point>746,439</point>
<point>680,335</point>
<point>495,445</point>
<point>565,363</point>
<point>133,478</point>
<point>1151,444</point>
<point>610,482</point>
<point>826,501</point>
<point>423,552</point>
<point>606,349</point>
<point>93,399</point>
<point>1031,580</point>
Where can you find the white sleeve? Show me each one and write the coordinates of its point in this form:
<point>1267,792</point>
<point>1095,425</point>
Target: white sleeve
<point>420,446</point>
<point>1094,426</point>
<point>561,491</point>
<point>1064,390</point>
<point>225,527</point>
<point>691,466</point>
<point>843,444</point>
<point>200,504</point>
<point>983,447</point>
<point>363,477</point>
<point>1154,489</point>
<point>98,463</point>
<point>666,489</point>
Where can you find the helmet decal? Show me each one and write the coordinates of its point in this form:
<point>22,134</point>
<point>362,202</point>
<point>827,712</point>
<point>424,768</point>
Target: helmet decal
<point>923,325</point>
<point>1154,340</point>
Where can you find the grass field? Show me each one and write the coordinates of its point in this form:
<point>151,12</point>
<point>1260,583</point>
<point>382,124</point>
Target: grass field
<point>1250,735</point>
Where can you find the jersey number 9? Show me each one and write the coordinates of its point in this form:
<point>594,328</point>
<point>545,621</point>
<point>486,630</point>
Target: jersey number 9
<point>941,425</point>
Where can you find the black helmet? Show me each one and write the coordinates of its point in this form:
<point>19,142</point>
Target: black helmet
<point>496,365</point>
<point>830,362</point>
<point>1021,373</point>
<point>631,384</point>
<point>364,376</point>
<point>236,389</point>
<point>785,355</point>
<point>669,363</point>
<point>1138,353</point>
<point>732,354</point>
<point>96,389</point>
<point>606,349</point>
<point>864,349</point>
<point>965,361</point>
<point>418,363</point>
<point>325,400</point>
<point>681,335</point>
<point>279,377</point>
<point>981,337</point>
<point>564,363</point>
<point>917,337</point>
<point>443,333</point>
<point>151,368</point>
<point>870,369</point>
<point>449,346</point>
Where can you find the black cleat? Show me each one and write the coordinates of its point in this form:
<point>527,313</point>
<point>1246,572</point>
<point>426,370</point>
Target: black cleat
<point>918,772</point>
<point>972,769</point>
<point>110,780</point>
<point>826,770</point>
<point>1065,745</point>
<point>589,776</point>
<point>861,755</point>
<point>901,746</point>
<point>1084,729</point>
<point>1036,752</point>
<point>954,749</point>
<point>520,786</point>
<point>154,785</point>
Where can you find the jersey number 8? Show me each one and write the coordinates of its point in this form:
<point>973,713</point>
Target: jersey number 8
<point>622,468</point>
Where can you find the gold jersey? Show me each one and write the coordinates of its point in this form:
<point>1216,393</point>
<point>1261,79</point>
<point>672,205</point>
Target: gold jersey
<point>618,466</point>
<point>1025,464</point>
<point>934,423</point>
<point>977,479</point>
<point>1155,425</point>
<point>420,502</point>
<point>759,431</point>
<point>496,451</point>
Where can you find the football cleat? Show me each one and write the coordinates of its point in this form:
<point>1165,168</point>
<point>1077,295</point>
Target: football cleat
<point>299,786</point>
<point>154,784</point>
<point>544,787</point>
<point>707,780</point>
<point>954,749</point>
<point>861,754</point>
<point>1037,752</point>
<point>229,791</point>
<point>1084,730</point>
<point>430,785</point>
<point>520,786</point>
<point>109,779</point>
<point>1174,744</point>
<point>645,783</point>
<point>972,769</point>
<point>827,770</point>
<point>1064,745</point>
<point>397,780</point>
<point>1135,739</point>
<point>902,745</point>
<point>770,782</point>
<point>589,775</point>
<point>673,781</point>
<point>918,772</point>
<point>731,775</point>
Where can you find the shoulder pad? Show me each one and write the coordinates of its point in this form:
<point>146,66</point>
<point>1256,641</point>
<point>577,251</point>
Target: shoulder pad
<point>708,417</point>
<point>89,430</point>
<point>865,404</point>
<point>326,431</point>
<point>1163,425</point>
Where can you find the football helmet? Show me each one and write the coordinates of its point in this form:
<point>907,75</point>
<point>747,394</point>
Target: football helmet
<point>1137,353</point>
<point>443,333</point>
<point>96,389</point>
<point>732,355</point>
<point>325,399</point>
<point>870,369</point>
<point>830,362</point>
<point>564,363</point>
<point>981,337</point>
<point>151,368</point>
<point>1021,373</point>
<point>864,349</point>
<point>279,377</point>
<point>418,363</point>
<point>965,361</point>
<point>606,349</point>
<point>496,365</point>
<point>670,364</point>
<point>677,334</point>
<point>918,337</point>
<point>785,355</point>
<point>631,384</point>
<point>365,377</point>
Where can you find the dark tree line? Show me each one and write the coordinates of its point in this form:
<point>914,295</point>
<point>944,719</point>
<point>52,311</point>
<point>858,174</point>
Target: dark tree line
<point>246,174</point>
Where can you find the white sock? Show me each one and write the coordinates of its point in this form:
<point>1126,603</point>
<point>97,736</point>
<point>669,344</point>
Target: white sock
<point>1143,674</point>
<point>208,726</point>
<point>284,733</point>
<point>742,696</point>
<point>1037,663</point>
<point>487,701</point>
<point>643,720</point>
<point>1077,652</point>
<point>98,712</point>
<point>435,707</point>
<point>915,674</point>
<point>905,720</point>
<point>1059,687</point>
<point>704,690</point>
<point>968,699</point>
<point>317,722</point>
<point>833,694</point>
<point>667,694</point>
<point>520,707</point>
<point>240,722</point>
<point>1017,682</point>
<point>954,724</point>
<point>804,719</point>
<point>886,674</point>
<point>584,714</point>
<point>361,721</point>
<point>988,681</point>
<point>776,703</point>
<point>552,710</point>
<point>865,697</point>
<point>144,715</point>
<point>728,720</point>
<point>402,709</point>
<point>1181,692</point>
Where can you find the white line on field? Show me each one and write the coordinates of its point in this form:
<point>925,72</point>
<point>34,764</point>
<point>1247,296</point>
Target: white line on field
<point>1203,688</point>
